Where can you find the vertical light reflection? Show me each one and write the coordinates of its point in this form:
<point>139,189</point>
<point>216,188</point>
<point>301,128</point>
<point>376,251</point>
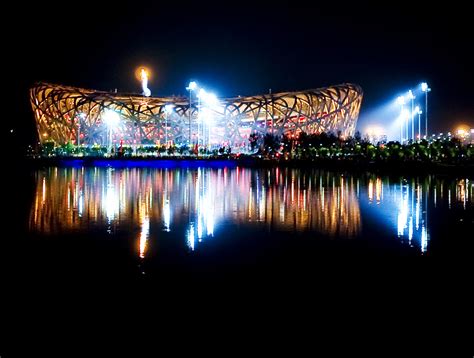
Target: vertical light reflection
<point>418,206</point>
<point>371,190</point>
<point>203,198</point>
<point>144,234</point>
<point>424,239</point>
<point>449,198</point>
<point>402,211</point>
<point>412,219</point>
<point>111,201</point>
<point>378,190</point>
<point>190,236</point>
<point>80,203</point>
<point>166,214</point>
<point>44,190</point>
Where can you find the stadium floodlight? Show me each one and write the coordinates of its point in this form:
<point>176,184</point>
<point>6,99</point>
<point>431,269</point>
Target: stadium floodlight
<point>400,100</point>
<point>111,119</point>
<point>191,87</point>
<point>169,108</point>
<point>419,112</point>
<point>425,88</point>
<point>412,97</point>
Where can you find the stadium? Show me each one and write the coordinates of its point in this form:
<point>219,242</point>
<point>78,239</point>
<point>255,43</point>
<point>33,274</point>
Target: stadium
<point>88,117</point>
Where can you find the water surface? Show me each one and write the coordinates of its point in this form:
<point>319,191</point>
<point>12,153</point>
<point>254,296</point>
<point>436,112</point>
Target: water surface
<point>143,220</point>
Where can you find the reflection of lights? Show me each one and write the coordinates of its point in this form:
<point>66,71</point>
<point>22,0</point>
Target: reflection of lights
<point>410,229</point>
<point>402,212</point>
<point>449,198</point>
<point>81,204</point>
<point>144,234</point>
<point>190,237</point>
<point>371,190</point>
<point>44,190</point>
<point>424,239</point>
<point>111,203</point>
<point>111,199</point>
<point>166,214</point>
<point>417,207</point>
<point>199,228</point>
<point>378,190</point>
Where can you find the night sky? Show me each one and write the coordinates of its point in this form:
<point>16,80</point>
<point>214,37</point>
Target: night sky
<point>242,48</point>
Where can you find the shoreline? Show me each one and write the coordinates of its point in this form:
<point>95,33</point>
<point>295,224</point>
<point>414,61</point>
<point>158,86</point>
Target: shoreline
<point>387,167</point>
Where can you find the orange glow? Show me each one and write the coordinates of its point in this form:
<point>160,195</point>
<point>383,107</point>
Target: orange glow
<point>462,130</point>
<point>139,73</point>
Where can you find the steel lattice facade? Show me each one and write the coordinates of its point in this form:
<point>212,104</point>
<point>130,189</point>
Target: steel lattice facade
<point>64,114</point>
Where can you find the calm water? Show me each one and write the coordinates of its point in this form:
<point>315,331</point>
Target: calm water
<point>197,240</point>
<point>200,216</point>
<point>141,222</point>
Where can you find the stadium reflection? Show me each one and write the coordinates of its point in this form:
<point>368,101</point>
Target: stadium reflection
<point>197,204</point>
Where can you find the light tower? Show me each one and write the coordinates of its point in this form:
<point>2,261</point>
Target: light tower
<point>426,89</point>
<point>411,97</point>
<point>419,112</point>
<point>191,87</point>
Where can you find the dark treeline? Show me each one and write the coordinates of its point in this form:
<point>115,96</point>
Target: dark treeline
<point>324,147</point>
<point>335,147</point>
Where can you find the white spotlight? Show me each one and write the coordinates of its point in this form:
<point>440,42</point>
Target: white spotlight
<point>111,118</point>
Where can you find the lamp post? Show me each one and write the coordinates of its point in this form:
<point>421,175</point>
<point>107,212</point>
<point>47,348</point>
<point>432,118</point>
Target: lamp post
<point>191,87</point>
<point>411,97</point>
<point>168,111</point>
<point>426,89</point>
<point>401,103</point>
<point>418,111</point>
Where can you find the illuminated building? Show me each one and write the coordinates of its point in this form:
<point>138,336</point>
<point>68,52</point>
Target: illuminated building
<point>78,116</point>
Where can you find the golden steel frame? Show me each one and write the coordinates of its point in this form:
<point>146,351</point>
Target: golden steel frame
<point>64,114</point>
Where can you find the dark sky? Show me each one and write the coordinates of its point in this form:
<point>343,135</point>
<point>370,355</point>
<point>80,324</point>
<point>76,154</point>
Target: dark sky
<point>242,48</point>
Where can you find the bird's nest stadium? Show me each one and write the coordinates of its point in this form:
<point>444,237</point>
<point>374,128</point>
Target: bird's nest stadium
<point>88,117</point>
